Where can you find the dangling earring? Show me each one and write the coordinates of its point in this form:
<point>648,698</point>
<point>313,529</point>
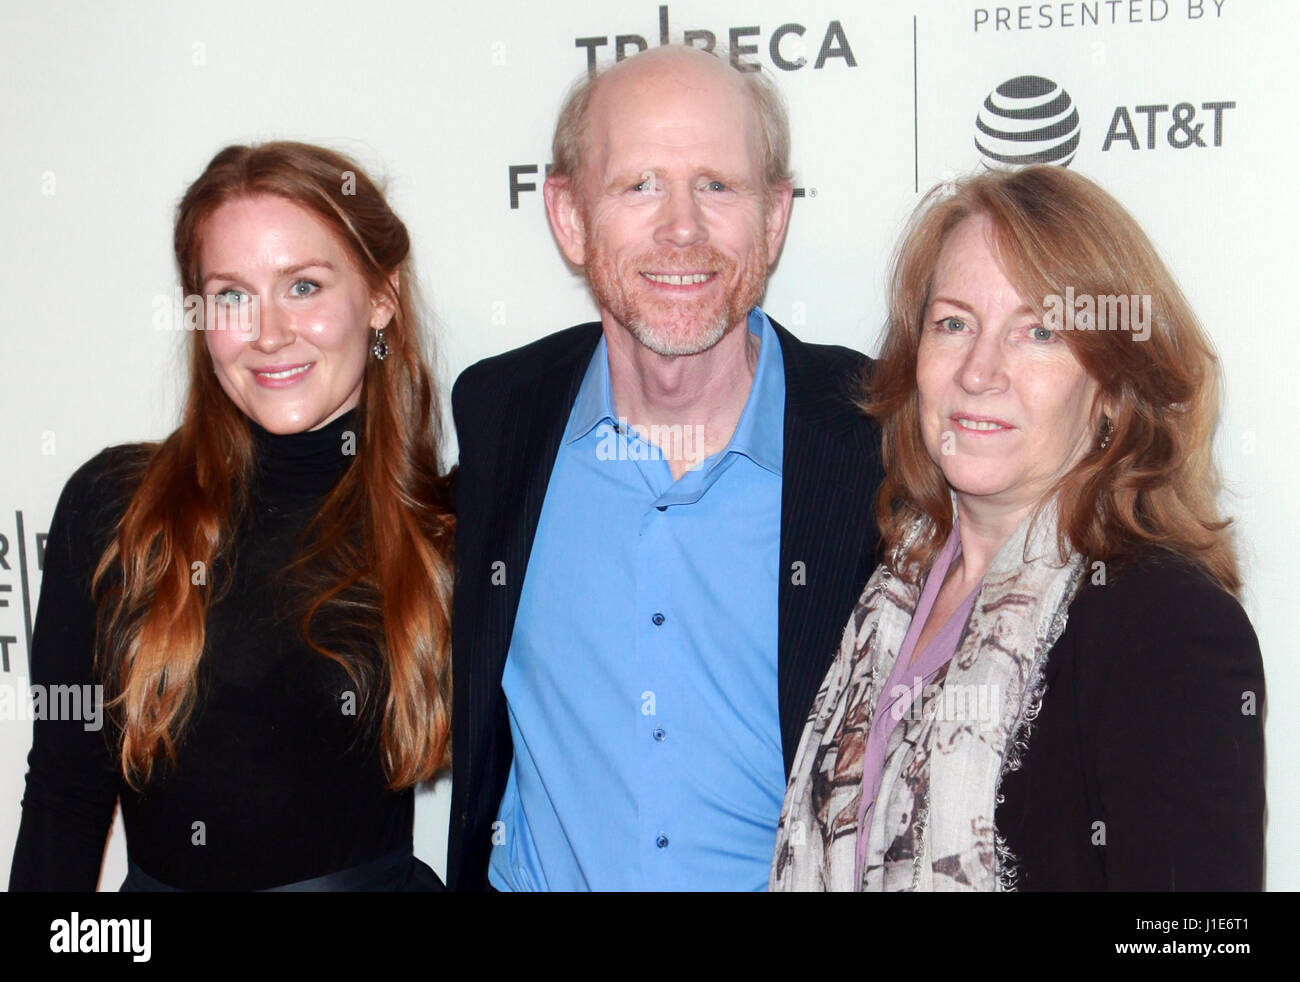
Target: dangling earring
<point>380,348</point>
<point>1105,432</point>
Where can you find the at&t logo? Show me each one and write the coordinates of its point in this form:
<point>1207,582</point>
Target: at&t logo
<point>1028,120</point>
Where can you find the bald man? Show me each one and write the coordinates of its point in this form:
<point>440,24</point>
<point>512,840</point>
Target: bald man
<point>664,516</point>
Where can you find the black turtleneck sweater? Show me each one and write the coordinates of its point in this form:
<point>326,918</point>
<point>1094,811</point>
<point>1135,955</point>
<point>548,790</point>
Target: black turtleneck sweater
<point>275,781</point>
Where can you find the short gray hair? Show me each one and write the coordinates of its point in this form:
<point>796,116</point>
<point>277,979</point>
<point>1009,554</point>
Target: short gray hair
<point>765,98</point>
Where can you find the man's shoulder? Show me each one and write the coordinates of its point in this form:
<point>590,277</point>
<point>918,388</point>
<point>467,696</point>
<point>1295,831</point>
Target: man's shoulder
<point>827,381</point>
<point>821,355</point>
<point>824,363</point>
<point>528,361</point>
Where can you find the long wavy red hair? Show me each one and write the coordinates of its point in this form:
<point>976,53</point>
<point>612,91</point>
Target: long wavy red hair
<point>378,553</point>
<point>1155,481</point>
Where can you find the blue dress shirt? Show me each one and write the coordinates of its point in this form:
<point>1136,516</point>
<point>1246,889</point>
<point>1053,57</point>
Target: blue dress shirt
<point>641,679</point>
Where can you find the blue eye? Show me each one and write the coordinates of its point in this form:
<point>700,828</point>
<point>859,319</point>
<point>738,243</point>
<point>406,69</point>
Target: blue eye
<point>716,186</point>
<point>951,325</point>
<point>312,288</point>
<point>1040,333</point>
<point>230,298</point>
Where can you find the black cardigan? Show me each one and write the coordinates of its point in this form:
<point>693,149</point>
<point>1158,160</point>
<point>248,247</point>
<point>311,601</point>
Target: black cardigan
<point>1145,766</point>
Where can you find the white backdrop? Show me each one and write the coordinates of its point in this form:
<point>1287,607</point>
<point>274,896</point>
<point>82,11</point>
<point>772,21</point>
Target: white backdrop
<point>110,109</point>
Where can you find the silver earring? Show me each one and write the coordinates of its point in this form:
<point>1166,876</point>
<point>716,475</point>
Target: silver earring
<point>1105,432</point>
<point>380,348</point>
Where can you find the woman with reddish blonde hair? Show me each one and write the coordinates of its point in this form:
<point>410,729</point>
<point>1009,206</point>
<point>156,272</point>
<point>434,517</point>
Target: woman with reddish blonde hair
<point>263,596</point>
<point>1049,683</point>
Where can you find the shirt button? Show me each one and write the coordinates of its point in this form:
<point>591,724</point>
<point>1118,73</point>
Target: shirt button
<point>661,841</point>
<point>659,734</point>
<point>657,619</point>
<point>662,507</point>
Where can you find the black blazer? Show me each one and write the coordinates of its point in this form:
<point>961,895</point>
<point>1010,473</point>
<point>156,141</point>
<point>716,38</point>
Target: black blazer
<point>1145,767</point>
<point>510,412</point>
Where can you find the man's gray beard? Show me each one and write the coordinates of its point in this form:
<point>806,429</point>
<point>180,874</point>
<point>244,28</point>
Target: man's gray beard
<point>620,304</point>
<point>646,335</point>
<point>660,346</point>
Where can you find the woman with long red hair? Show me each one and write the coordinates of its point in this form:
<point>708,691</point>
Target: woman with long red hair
<point>263,596</point>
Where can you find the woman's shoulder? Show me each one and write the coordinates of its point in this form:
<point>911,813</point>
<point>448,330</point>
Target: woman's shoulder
<point>96,494</point>
<point>111,467</point>
<point>112,473</point>
<point>1164,605</point>
<point>1155,581</point>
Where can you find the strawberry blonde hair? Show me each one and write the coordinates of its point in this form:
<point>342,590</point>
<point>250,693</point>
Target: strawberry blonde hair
<point>1155,482</point>
<point>377,554</point>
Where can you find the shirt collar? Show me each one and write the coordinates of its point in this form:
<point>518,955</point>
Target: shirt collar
<point>595,402</point>
<point>760,433</point>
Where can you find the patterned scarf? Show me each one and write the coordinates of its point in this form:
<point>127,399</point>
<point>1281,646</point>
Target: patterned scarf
<point>933,824</point>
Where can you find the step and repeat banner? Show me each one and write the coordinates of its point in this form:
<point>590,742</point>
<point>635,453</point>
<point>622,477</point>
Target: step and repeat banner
<point>1181,108</point>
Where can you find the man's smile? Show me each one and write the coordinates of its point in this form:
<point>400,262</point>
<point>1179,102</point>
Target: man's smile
<point>679,279</point>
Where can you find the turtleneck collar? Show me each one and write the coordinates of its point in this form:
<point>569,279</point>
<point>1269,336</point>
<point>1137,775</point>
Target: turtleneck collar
<point>305,463</point>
